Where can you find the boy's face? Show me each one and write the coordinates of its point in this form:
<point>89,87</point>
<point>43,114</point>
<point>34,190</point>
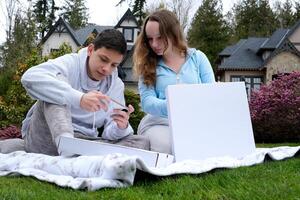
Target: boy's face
<point>102,62</point>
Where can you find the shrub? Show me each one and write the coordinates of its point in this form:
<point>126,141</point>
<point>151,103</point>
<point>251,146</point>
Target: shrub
<point>5,80</point>
<point>63,49</point>
<point>275,110</point>
<point>135,117</point>
<point>15,103</point>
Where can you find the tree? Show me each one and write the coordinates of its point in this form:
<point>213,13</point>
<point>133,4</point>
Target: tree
<point>138,10</point>
<point>231,24</point>
<point>254,18</point>
<point>284,13</point>
<point>182,9</point>
<point>75,13</point>
<point>11,7</point>
<point>297,13</point>
<point>52,16</point>
<point>19,46</point>
<point>44,15</point>
<point>22,40</point>
<point>153,6</point>
<point>138,7</point>
<point>209,32</point>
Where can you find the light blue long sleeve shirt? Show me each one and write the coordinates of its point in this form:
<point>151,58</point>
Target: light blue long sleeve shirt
<point>196,69</point>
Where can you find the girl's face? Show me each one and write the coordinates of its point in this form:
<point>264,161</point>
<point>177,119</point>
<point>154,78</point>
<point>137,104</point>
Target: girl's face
<point>155,40</point>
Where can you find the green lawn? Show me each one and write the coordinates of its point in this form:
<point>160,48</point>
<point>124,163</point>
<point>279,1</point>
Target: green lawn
<point>271,180</point>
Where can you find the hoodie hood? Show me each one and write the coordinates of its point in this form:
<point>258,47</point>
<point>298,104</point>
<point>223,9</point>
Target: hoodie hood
<point>191,52</point>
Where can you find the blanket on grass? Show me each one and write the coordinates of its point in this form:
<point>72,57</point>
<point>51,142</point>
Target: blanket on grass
<point>117,170</point>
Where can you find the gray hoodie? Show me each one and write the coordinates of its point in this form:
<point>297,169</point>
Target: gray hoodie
<point>63,81</point>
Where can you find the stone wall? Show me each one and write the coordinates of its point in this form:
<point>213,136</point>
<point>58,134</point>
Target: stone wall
<point>284,62</point>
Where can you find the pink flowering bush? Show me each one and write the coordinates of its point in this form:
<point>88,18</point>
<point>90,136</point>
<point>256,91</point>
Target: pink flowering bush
<point>275,110</point>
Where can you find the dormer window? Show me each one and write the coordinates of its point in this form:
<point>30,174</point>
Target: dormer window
<point>128,34</point>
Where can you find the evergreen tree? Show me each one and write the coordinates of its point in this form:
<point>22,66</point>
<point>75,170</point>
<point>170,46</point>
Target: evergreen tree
<point>75,13</point>
<point>266,18</point>
<point>254,18</point>
<point>230,23</point>
<point>209,32</point>
<point>284,14</point>
<point>138,10</point>
<point>297,13</point>
<point>22,40</point>
<point>51,15</point>
<point>137,7</point>
<point>44,15</point>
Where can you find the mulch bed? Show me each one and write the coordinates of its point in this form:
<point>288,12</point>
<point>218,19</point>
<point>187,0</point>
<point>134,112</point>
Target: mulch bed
<point>10,131</point>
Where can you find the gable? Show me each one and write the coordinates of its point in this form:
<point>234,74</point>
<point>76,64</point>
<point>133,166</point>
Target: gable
<point>128,19</point>
<point>55,40</point>
<point>61,27</point>
<point>295,38</point>
<point>283,62</point>
<point>285,46</point>
<point>128,25</point>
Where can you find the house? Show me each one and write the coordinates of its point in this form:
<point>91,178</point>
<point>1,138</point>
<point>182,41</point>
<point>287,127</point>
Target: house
<point>62,32</point>
<point>259,60</point>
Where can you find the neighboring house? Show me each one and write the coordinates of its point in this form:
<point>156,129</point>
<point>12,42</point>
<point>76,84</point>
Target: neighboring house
<point>62,32</point>
<point>260,60</point>
<point>128,25</point>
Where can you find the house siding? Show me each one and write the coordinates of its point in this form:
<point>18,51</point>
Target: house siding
<point>295,38</point>
<point>55,41</point>
<point>128,69</point>
<point>129,24</point>
<point>228,74</point>
<point>284,62</point>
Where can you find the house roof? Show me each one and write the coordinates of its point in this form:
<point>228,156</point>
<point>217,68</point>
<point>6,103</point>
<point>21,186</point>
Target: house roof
<point>230,49</point>
<point>275,39</point>
<point>129,16</point>
<point>243,55</point>
<point>83,33</point>
<point>295,27</point>
<point>79,36</point>
<point>69,30</point>
<point>247,53</point>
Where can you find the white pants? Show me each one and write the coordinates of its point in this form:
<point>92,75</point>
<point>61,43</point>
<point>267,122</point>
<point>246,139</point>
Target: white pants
<point>157,130</point>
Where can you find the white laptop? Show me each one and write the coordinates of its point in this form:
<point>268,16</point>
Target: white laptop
<point>210,120</point>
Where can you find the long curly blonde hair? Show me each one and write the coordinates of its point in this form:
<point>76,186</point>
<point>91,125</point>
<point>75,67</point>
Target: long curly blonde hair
<point>144,58</point>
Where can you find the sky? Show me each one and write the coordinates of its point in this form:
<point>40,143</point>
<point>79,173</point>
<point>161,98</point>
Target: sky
<point>105,12</point>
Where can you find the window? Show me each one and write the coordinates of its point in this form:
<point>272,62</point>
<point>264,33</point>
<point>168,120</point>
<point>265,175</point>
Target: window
<point>252,83</point>
<point>276,76</point>
<point>128,34</point>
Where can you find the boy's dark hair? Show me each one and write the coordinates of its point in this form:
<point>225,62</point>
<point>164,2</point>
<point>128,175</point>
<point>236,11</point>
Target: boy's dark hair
<point>111,39</point>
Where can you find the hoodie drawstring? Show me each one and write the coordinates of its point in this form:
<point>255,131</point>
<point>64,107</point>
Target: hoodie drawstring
<point>94,122</point>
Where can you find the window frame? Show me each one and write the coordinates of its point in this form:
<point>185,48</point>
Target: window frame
<point>132,33</point>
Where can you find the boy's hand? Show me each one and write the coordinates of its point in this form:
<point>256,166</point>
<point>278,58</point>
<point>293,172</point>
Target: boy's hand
<point>94,101</point>
<point>122,117</point>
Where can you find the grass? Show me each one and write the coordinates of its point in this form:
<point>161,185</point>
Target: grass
<point>271,180</point>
